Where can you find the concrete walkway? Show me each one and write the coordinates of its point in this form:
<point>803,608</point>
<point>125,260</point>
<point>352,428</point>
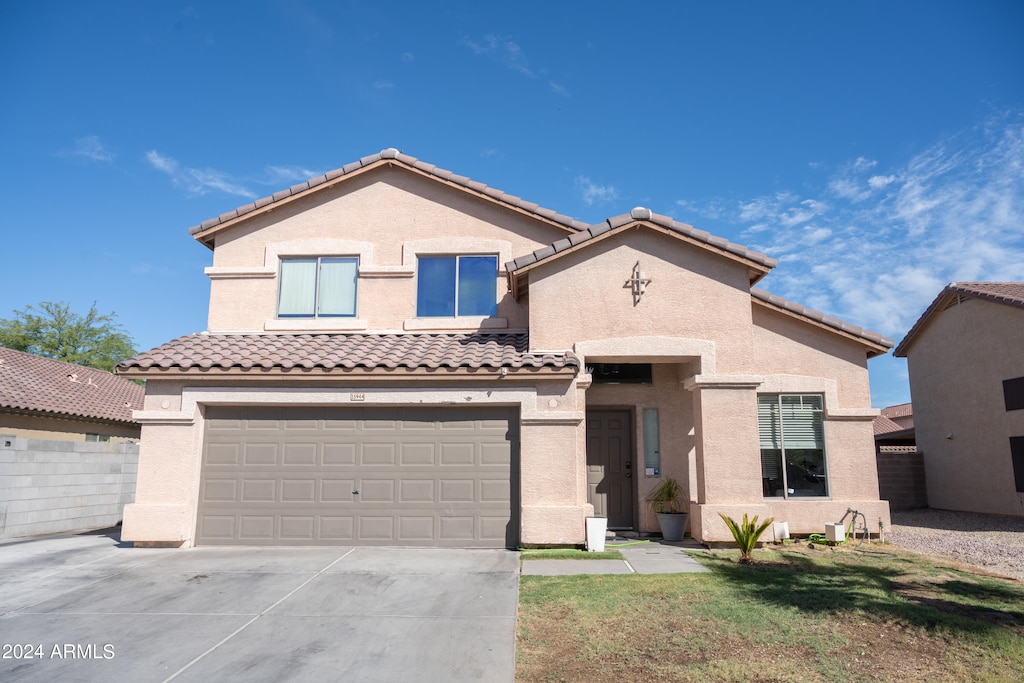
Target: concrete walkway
<point>650,557</point>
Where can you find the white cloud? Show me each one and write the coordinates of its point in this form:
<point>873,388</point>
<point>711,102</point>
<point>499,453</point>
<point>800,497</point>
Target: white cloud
<point>504,49</point>
<point>196,180</point>
<point>877,182</point>
<point>875,248</point>
<point>558,89</point>
<point>280,175</point>
<point>592,192</point>
<point>90,147</point>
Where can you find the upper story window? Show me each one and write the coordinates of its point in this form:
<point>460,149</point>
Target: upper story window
<point>318,287</point>
<point>791,430</point>
<point>1013,393</point>
<point>450,286</point>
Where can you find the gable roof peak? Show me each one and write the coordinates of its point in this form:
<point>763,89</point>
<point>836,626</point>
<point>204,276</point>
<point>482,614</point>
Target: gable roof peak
<point>1007,293</point>
<point>640,213</point>
<point>393,157</point>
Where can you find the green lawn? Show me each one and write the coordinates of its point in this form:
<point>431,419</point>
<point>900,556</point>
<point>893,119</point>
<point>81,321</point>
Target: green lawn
<point>796,615</point>
<point>567,554</point>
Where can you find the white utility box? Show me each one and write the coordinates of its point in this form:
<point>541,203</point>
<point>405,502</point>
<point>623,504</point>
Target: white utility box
<point>836,533</point>
<point>781,530</point>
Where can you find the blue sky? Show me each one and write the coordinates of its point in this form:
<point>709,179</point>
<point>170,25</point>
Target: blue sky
<point>875,148</point>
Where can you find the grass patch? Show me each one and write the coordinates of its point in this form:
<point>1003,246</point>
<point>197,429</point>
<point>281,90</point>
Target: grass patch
<point>795,615</point>
<point>567,554</point>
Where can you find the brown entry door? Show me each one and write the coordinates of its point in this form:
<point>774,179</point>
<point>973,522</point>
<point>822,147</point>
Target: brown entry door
<point>610,466</point>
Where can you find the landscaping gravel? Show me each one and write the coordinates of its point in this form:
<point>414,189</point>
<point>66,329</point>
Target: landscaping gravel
<point>989,542</point>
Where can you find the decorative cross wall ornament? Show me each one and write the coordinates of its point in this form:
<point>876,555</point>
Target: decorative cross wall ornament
<point>638,282</point>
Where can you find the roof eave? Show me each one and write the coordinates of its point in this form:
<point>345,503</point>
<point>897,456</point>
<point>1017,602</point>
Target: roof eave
<point>874,348</point>
<point>327,374</point>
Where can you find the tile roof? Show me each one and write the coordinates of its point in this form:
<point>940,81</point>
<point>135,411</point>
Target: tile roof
<point>32,383</point>
<point>1009,293</point>
<point>883,425</point>
<point>901,410</point>
<point>341,352</point>
<point>641,214</point>
<point>392,155</point>
<point>819,317</point>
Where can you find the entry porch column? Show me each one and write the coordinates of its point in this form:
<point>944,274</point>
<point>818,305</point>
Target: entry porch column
<point>728,453</point>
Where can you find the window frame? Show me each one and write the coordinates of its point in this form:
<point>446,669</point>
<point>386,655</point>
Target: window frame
<point>316,314</point>
<point>493,312</point>
<point>780,455</point>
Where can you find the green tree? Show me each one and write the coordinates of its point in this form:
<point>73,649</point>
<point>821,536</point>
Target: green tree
<point>55,331</point>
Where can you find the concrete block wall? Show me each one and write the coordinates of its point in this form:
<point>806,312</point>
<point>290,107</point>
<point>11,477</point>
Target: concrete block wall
<point>49,487</point>
<point>901,480</point>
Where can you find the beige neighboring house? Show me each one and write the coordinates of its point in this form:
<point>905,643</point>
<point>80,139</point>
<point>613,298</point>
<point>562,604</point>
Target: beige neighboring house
<point>43,398</point>
<point>400,355</point>
<point>966,362</point>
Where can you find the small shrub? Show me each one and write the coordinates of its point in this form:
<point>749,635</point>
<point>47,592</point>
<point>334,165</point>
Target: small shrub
<point>746,534</point>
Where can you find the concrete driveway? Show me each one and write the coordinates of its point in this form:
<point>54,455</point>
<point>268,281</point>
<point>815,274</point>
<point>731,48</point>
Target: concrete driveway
<point>83,608</point>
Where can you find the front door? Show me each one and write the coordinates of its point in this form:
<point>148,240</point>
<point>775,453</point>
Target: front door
<point>610,466</point>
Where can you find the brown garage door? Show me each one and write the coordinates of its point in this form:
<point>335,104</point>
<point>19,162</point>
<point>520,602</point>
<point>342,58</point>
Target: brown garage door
<point>359,476</point>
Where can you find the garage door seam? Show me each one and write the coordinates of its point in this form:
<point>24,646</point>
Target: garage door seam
<point>255,618</point>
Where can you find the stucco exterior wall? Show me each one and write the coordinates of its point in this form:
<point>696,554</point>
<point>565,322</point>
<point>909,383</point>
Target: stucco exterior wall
<point>785,346</point>
<point>693,294</point>
<point>957,366</point>
<point>385,217</point>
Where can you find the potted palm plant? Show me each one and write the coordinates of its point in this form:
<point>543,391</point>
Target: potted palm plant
<point>667,502</point>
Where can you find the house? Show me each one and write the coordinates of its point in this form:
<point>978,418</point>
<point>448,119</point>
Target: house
<point>966,361</point>
<point>901,477</point>
<point>400,355</point>
<point>43,398</point>
<point>68,455</point>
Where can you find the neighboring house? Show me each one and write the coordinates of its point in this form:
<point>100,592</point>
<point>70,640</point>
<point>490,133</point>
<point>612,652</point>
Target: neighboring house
<point>400,355</point>
<point>966,362</point>
<point>43,398</point>
<point>901,476</point>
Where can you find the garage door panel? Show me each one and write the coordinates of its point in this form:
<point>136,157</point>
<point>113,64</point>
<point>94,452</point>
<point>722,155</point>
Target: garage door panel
<point>377,491</point>
<point>298,490</point>
<point>334,528</point>
<point>260,453</point>
<point>295,527</point>
<point>340,454</point>
<point>425,476</point>
<point>457,454</point>
<point>337,490</point>
<point>416,491</point>
<point>378,454</point>
<point>258,491</point>
<point>223,454</point>
<point>300,454</point>
<point>220,491</point>
<point>412,454</point>
<point>256,527</point>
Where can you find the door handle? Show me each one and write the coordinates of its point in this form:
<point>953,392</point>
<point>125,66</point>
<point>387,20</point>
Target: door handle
<point>629,474</point>
<point>356,492</point>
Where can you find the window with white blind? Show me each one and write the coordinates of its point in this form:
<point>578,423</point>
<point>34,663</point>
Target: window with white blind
<point>792,435</point>
<point>318,287</point>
